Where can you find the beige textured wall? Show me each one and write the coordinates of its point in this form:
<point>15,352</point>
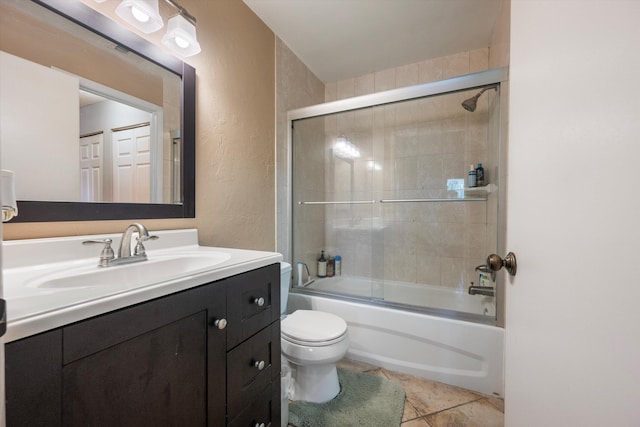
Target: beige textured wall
<point>235,153</point>
<point>235,165</point>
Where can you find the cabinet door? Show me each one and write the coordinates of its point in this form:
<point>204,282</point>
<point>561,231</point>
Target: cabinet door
<point>154,379</point>
<point>33,380</point>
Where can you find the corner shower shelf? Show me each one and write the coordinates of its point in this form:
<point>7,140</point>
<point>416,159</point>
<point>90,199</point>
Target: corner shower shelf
<point>485,189</point>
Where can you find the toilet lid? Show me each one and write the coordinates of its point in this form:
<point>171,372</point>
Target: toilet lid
<point>313,326</point>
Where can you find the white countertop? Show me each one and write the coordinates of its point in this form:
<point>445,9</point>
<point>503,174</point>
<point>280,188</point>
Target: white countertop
<point>32,309</point>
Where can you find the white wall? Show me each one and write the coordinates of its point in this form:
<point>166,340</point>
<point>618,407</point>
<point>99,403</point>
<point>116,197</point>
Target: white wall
<point>45,126</point>
<point>573,322</point>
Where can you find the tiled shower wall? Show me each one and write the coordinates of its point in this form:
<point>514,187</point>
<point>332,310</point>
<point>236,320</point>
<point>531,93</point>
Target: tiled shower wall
<point>408,150</point>
<point>296,86</point>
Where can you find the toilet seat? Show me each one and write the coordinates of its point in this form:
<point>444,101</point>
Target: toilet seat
<point>313,328</point>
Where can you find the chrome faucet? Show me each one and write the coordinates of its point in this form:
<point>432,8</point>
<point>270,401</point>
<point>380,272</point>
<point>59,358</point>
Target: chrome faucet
<point>124,251</point>
<point>107,256</point>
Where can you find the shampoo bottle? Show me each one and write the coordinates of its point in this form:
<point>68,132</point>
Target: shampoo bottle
<point>322,265</point>
<point>471,180</point>
<point>479,175</point>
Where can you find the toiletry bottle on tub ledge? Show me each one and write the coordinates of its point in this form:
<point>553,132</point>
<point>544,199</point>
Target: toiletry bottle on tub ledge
<point>331,263</point>
<point>322,265</point>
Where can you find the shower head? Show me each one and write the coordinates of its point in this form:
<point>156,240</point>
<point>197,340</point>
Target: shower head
<point>471,103</point>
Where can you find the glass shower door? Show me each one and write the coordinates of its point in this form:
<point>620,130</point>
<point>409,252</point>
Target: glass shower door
<point>332,209</point>
<point>385,188</point>
<point>437,230</point>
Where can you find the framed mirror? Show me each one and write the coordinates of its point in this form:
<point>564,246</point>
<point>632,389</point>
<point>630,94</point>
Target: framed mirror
<point>99,123</point>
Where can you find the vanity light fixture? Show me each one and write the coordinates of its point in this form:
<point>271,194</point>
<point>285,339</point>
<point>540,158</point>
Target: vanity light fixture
<point>181,36</point>
<point>142,14</point>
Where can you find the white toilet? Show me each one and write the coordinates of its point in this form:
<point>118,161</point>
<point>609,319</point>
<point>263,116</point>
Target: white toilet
<point>312,342</point>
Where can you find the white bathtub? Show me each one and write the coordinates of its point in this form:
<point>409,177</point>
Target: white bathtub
<point>460,353</point>
<point>421,295</point>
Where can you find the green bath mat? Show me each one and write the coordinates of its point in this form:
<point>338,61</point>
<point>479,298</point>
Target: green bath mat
<point>364,400</point>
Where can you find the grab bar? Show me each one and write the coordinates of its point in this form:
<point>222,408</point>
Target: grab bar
<point>466,199</point>
<point>352,202</point>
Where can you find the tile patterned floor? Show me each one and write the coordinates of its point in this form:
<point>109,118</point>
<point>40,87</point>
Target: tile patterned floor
<point>433,404</point>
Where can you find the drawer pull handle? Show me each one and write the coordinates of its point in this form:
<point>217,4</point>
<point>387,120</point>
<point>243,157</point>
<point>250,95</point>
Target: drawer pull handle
<point>259,365</point>
<point>220,323</point>
<point>258,301</point>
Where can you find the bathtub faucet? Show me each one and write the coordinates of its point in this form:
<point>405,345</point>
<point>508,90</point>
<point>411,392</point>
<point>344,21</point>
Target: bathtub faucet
<point>482,290</point>
<point>485,269</point>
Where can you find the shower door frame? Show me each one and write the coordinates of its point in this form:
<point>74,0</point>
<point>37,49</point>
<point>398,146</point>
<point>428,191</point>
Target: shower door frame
<point>440,87</point>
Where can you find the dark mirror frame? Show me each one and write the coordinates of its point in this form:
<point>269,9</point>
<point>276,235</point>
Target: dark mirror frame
<point>43,211</point>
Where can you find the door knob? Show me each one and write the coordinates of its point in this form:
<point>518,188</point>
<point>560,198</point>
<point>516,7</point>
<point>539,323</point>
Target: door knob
<point>495,263</point>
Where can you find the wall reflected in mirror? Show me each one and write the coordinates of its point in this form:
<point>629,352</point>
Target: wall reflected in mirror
<point>84,119</point>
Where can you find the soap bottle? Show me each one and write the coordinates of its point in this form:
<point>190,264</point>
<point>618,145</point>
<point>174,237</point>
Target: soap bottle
<point>337,270</point>
<point>480,175</point>
<point>471,180</point>
<point>330,266</point>
<point>322,265</point>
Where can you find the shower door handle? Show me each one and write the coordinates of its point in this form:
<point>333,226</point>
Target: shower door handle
<point>495,263</point>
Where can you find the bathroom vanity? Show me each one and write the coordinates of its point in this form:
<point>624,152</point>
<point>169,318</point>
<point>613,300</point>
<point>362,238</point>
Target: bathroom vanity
<point>199,349</point>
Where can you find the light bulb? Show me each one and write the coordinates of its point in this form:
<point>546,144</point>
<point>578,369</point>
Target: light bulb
<point>139,15</point>
<point>181,42</point>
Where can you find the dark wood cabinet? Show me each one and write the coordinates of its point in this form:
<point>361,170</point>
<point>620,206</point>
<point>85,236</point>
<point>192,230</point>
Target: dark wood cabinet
<point>166,362</point>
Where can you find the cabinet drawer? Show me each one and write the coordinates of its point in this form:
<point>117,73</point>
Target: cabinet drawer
<point>253,302</point>
<point>264,411</point>
<point>251,366</point>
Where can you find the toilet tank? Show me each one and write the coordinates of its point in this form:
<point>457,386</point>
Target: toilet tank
<point>285,281</point>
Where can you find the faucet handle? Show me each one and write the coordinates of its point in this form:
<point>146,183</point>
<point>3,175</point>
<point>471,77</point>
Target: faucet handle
<point>107,254</point>
<point>139,249</point>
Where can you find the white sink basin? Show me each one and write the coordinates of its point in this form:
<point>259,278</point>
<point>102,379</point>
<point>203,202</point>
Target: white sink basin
<point>52,282</point>
<point>156,269</point>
